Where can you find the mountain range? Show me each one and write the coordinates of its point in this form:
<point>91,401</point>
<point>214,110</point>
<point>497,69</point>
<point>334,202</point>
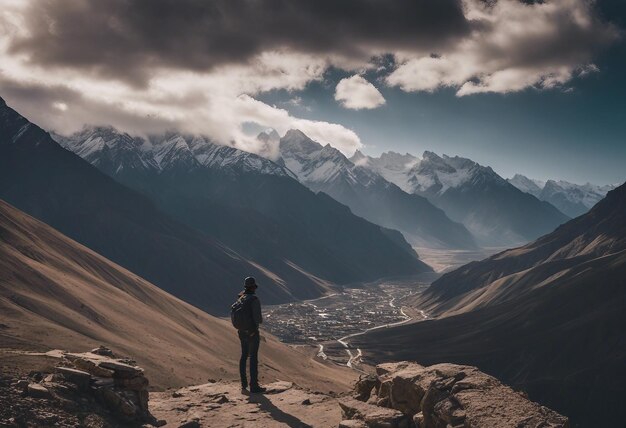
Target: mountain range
<point>547,317</point>
<point>57,294</point>
<point>571,199</point>
<point>368,194</point>
<point>494,211</point>
<point>296,242</point>
<point>253,205</point>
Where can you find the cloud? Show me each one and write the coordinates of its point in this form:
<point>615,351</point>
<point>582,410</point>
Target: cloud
<point>513,46</point>
<point>97,36</point>
<point>146,66</point>
<point>216,105</point>
<point>357,93</point>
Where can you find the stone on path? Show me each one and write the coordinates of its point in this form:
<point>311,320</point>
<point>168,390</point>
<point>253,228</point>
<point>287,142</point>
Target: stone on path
<point>373,416</point>
<point>278,387</point>
<point>38,391</point>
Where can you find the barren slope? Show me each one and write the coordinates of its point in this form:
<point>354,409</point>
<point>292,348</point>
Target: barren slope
<point>547,317</point>
<point>56,293</point>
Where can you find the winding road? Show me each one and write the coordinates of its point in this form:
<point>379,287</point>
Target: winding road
<point>344,340</point>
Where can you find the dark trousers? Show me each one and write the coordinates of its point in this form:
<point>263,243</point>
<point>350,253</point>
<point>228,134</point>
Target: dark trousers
<point>249,348</point>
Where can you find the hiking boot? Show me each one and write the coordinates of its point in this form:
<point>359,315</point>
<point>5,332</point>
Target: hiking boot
<point>256,389</point>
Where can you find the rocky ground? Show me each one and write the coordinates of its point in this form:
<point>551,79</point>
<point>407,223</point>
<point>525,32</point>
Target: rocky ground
<point>223,404</point>
<point>407,395</point>
<point>99,390</point>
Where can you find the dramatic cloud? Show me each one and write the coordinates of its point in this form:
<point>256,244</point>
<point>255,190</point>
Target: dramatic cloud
<point>198,66</point>
<point>173,101</point>
<point>513,46</point>
<point>128,39</point>
<point>216,103</point>
<point>357,93</point>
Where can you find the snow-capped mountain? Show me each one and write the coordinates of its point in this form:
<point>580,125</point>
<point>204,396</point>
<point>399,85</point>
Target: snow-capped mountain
<point>527,185</point>
<point>109,150</point>
<point>369,194</point>
<point>253,206</point>
<point>316,165</point>
<point>391,165</point>
<point>118,153</point>
<point>494,210</point>
<point>572,199</point>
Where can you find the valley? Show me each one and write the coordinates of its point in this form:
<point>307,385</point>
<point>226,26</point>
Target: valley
<point>443,261</point>
<point>330,321</point>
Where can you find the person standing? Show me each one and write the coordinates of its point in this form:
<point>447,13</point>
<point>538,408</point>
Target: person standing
<point>246,317</point>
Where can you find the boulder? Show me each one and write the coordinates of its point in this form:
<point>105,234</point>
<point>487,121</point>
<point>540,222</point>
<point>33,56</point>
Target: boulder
<point>38,391</point>
<point>406,387</point>
<point>104,351</point>
<point>443,395</point>
<point>373,416</point>
<point>81,362</point>
<point>120,369</point>
<point>136,383</point>
<point>386,368</point>
<point>278,387</point>
<point>364,386</point>
<point>79,378</point>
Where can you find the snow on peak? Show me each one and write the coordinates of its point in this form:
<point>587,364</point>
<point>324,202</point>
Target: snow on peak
<point>397,161</point>
<point>430,174</point>
<point>314,163</point>
<point>164,152</point>
<point>587,194</point>
<point>527,185</point>
<point>392,166</point>
<point>297,142</point>
<point>572,199</point>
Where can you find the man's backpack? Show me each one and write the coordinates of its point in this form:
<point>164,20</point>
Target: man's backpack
<point>241,313</point>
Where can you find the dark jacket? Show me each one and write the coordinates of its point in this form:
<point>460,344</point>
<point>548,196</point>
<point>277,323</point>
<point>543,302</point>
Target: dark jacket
<point>255,307</point>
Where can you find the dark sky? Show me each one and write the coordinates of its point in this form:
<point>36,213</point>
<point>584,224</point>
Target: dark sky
<point>529,87</point>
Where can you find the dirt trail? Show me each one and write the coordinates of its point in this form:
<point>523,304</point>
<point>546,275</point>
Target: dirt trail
<point>222,404</point>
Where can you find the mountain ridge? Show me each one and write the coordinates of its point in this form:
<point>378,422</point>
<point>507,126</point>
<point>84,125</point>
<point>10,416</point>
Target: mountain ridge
<point>493,210</point>
<point>545,317</point>
<point>58,187</point>
<point>572,199</point>
<point>255,206</point>
<point>370,195</point>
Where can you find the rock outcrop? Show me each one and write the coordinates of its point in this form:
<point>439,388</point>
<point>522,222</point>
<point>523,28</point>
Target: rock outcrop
<point>95,383</point>
<point>444,395</point>
<point>116,383</point>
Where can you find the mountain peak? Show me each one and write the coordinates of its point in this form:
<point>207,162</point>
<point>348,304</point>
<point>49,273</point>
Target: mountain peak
<point>358,158</point>
<point>428,154</point>
<point>269,135</point>
<point>296,134</point>
<point>296,141</point>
